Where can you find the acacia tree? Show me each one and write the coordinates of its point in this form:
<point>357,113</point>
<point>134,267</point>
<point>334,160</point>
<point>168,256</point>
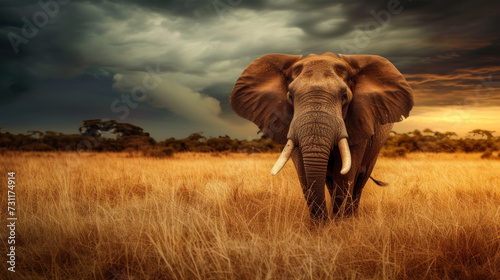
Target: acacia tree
<point>428,131</point>
<point>95,127</point>
<point>483,133</point>
<point>128,136</point>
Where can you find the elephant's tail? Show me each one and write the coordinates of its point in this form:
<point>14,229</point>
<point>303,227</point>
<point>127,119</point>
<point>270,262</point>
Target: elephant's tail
<point>380,183</point>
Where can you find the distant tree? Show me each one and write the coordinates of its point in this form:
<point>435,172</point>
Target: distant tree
<point>482,133</point>
<point>428,131</point>
<point>196,137</point>
<point>416,132</point>
<point>223,143</point>
<point>95,127</point>
<point>438,134</point>
<point>6,140</point>
<point>129,136</point>
<point>449,134</point>
<point>55,139</point>
<point>127,129</point>
<point>35,133</point>
<point>137,142</point>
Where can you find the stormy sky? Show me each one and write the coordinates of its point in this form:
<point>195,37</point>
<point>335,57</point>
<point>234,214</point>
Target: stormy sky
<point>169,66</point>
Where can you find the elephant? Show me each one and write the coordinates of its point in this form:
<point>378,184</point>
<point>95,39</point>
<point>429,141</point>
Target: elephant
<point>333,113</point>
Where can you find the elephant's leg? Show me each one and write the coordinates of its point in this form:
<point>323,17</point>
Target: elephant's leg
<point>330,184</point>
<point>342,186</point>
<point>367,165</point>
<point>337,195</point>
<point>299,167</point>
<point>353,201</point>
<point>361,180</point>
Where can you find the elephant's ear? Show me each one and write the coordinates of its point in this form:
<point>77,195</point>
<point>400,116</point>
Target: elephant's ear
<point>260,95</point>
<point>381,95</point>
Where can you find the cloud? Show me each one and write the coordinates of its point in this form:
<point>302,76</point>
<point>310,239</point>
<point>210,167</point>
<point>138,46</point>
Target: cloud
<point>462,87</point>
<point>167,93</point>
<point>161,91</point>
<point>444,48</point>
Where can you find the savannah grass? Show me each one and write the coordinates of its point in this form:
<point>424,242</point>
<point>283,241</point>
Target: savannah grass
<point>203,216</point>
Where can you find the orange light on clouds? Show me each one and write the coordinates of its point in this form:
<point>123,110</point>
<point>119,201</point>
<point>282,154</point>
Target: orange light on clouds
<point>451,118</point>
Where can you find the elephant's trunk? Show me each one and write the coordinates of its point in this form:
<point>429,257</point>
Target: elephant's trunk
<point>315,166</point>
<point>319,134</point>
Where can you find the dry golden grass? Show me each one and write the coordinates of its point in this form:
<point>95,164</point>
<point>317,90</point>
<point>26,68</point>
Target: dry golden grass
<point>198,216</point>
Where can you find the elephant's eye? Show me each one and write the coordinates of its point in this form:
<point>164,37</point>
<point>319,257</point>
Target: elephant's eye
<point>344,96</point>
<point>290,97</point>
<point>296,71</point>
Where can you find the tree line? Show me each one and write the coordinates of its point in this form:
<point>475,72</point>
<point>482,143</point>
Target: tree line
<point>97,135</point>
<point>476,141</point>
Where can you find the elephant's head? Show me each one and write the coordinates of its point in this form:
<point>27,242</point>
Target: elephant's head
<point>320,102</point>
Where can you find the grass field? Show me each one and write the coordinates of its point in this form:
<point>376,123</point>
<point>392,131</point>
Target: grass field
<point>202,216</point>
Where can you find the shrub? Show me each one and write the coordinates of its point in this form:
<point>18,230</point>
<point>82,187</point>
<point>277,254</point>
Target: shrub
<point>160,153</point>
<point>488,154</point>
<point>394,153</point>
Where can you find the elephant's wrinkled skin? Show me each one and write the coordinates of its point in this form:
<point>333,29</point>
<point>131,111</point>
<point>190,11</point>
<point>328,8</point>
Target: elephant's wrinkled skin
<point>314,102</point>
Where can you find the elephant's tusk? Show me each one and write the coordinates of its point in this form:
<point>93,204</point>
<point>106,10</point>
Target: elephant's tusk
<point>345,154</point>
<point>285,155</point>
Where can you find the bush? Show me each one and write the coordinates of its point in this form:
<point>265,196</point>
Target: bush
<point>487,155</point>
<point>167,152</point>
<point>394,153</point>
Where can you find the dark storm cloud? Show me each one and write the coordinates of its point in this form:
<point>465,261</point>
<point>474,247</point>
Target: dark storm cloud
<point>457,34</point>
<point>446,48</point>
<point>33,52</point>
